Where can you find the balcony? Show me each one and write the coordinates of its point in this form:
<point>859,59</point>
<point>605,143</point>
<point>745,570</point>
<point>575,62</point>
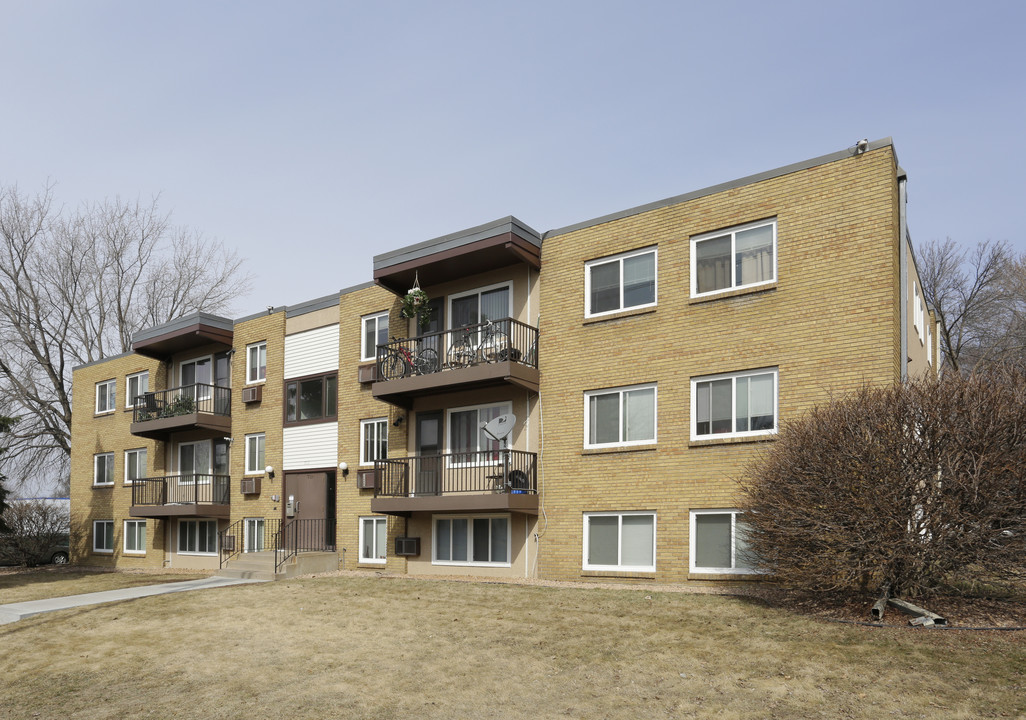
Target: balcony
<point>496,481</point>
<point>195,495</point>
<point>492,353</point>
<point>190,407</point>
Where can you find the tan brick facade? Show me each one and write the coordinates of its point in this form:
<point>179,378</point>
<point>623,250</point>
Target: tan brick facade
<point>835,315</point>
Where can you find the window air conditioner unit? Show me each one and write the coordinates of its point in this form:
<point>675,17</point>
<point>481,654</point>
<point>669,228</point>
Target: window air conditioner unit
<point>407,546</point>
<point>366,479</point>
<point>252,394</point>
<point>250,486</point>
<point>368,373</point>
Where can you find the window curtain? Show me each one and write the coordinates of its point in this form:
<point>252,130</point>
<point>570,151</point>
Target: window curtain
<point>713,270</point>
<point>639,415</point>
<point>639,280</point>
<point>602,539</point>
<point>754,255</point>
<point>604,418</point>
<point>605,287</point>
<point>712,541</point>
<point>636,542</point>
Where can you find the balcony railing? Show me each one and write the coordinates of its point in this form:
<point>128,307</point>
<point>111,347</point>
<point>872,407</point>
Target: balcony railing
<point>195,489</point>
<point>505,340</point>
<point>185,400</point>
<point>512,471</point>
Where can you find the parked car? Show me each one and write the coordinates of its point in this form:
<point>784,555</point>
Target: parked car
<point>56,554</point>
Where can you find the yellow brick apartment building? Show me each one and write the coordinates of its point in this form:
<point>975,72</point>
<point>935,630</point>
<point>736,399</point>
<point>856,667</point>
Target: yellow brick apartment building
<point>570,404</point>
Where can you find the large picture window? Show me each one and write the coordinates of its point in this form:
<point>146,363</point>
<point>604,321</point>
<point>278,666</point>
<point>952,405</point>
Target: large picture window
<point>373,539</point>
<point>312,399</point>
<point>620,416</point>
<point>620,283</point>
<point>734,405</point>
<point>478,306</point>
<point>373,440</point>
<point>619,541</point>
<point>742,256</point>
<point>375,332</point>
<point>468,540</point>
<point>197,537</point>
<point>468,442</point>
<point>718,542</point>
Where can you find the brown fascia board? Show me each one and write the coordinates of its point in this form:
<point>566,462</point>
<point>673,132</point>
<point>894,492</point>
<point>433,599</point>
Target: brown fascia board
<point>169,343</point>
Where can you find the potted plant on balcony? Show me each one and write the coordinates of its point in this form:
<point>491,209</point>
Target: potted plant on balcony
<point>415,304</point>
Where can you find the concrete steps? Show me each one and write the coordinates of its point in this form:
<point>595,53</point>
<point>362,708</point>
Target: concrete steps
<point>260,565</point>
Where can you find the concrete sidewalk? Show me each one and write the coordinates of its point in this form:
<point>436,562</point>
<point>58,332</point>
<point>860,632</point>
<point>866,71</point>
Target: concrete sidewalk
<point>17,611</point>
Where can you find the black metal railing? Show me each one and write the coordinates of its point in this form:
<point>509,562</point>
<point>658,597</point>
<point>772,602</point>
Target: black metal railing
<point>498,471</point>
<point>300,535</point>
<point>194,489</point>
<point>496,341</point>
<point>185,400</point>
<point>247,535</point>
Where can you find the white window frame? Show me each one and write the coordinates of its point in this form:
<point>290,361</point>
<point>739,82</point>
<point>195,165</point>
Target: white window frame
<point>733,404</point>
<point>504,408</point>
<point>260,439</point>
<point>651,250</point>
<point>142,387</point>
<point>205,392</point>
<point>732,232</point>
<point>929,345</point>
<point>137,453</point>
<point>108,391</point>
<point>692,545</point>
<point>619,567</point>
<point>375,520</point>
<point>469,562</point>
<point>178,544</point>
<point>372,352</point>
<point>621,392</point>
<point>96,547</point>
<point>108,457</point>
<point>134,533</point>
<point>208,471</point>
<point>480,291</point>
<point>254,534</point>
<point>258,347</point>
<point>377,426</point>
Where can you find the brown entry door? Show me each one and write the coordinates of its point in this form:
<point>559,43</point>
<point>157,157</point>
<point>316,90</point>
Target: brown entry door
<point>309,508</point>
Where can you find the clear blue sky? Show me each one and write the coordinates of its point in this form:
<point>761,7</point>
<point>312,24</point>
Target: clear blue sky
<point>313,135</point>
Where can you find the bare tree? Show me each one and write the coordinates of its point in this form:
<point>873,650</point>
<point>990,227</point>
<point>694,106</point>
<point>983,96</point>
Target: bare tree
<point>37,529</point>
<point>74,288</point>
<point>980,300</point>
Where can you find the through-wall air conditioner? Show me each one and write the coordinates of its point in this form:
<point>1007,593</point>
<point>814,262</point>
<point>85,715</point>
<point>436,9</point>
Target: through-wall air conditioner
<point>407,546</point>
<point>252,394</point>
<point>250,486</point>
<point>366,479</point>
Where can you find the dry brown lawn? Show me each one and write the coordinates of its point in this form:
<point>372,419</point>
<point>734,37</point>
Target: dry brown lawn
<point>367,647</point>
<point>50,581</point>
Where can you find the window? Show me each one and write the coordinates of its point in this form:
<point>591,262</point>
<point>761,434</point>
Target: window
<point>735,405</point>
<point>256,362</point>
<point>373,440</point>
<point>194,462</point>
<point>619,541</point>
<point>373,539</point>
<point>103,469</point>
<point>255,454</point>
<point>620,283</point>
<point>472,540</point>
<point>106,396</point>
<point>135,465</point>
<point>468,442</point>
<point>197,379</point>
<point>375,332</point>
<point>929,346</point>
<point>311,399</point>
<point>620,416</point>
<point>718,542</point>
<point>135,537</point>
<point>197,537</point>
<point>479,306</point>
<point>103,536</point>
<point>136,386</point>
<point>743,256</point>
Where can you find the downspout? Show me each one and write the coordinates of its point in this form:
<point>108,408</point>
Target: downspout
<point>903,245</point>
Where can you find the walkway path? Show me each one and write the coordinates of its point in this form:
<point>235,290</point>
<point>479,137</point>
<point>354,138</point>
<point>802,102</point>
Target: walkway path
<point>17,611</point>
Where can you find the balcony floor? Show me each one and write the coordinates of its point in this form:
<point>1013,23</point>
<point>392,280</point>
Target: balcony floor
<point>180,510</point>
<point>526,503</point>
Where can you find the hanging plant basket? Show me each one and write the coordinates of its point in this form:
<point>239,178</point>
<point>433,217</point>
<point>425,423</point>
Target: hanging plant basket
<point>415,304</point>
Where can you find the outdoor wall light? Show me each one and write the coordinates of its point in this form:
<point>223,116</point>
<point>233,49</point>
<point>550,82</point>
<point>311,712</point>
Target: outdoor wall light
<point>398,421</point>
<point>344,467</point>
<point>269,470</point>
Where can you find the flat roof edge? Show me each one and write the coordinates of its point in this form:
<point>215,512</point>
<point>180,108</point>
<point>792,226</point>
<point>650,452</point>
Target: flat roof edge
<point>457,239</point>
<point>103,360</point>
<point>729,185</point>
<point>312,305</point>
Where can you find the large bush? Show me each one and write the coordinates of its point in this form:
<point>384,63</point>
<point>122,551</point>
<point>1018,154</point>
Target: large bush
<point>919,485</point>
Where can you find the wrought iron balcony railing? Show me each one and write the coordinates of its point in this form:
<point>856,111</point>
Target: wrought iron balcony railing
<point>185,400</point>
<point>188,489</point>
<point>492,471</point>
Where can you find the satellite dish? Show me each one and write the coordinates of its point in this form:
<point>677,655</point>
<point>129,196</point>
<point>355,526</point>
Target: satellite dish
<point>499,428</point>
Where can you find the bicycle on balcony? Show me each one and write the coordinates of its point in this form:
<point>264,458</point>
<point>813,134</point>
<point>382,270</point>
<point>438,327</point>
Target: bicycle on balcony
<point>402,362</point>
<point>485,343</point>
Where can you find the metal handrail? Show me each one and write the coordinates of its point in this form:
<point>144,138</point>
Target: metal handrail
<point>302,535</point>
<point>184,400</point>
<point>511,471</point>
<point>237,532</point>
<point>187,489</point>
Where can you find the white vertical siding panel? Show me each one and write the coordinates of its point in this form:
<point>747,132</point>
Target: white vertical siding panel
<point>311,352</point>
<point>310,446</point>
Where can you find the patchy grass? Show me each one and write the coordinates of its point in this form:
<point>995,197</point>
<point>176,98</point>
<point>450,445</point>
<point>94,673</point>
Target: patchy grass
<point>348,646</point>
<point>50,581</point>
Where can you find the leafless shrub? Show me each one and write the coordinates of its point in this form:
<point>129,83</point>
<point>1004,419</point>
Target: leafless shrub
<point>34,527</point>
<point>919,485</point>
